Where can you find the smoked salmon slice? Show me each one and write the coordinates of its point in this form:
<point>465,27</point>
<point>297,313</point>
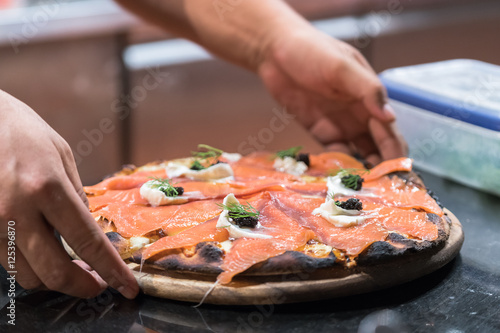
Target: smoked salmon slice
<point>327,163</point>
<point>412,223</point>
<point>387,167</point>
<point>396,192</point>
<point>244,172</point>
<point>260,159</point>
<point>204,232</point>
<point>131,196</point>
<point>287,235</point>
<point>116,183</point>
<point>135,220</point>
<point>353,240</point>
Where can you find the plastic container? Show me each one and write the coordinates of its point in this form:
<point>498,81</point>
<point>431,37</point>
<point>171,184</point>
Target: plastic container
<point>449,113</point>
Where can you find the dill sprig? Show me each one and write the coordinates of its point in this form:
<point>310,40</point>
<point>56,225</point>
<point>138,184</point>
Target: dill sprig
<point>197,166</point>
<point>164,185</point>
<point>290,152</point>
<point>209,152</point>
<point>350,180</point>
<point>237,210</point>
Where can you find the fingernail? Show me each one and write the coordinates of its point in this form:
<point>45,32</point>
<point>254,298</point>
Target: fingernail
<point>389,112</point>
<point>127,292</point>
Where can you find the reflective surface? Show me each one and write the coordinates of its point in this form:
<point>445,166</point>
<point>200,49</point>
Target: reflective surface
<point>463,296</point>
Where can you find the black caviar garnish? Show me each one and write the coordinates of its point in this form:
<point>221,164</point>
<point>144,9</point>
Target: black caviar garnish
<point>172,191</point>
<point>303,158</point>
<point>350,204</point>
<point>180,190</point>
<point>245,221</point>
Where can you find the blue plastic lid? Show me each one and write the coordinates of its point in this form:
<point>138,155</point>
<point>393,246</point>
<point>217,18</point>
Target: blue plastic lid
<point>466,90</point>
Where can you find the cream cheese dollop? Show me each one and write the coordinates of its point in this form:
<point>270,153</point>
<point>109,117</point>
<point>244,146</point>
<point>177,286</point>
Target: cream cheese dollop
<point>216,172</point>
<point>338,216</point>
<point>290,165</point>
<point>150,192</point>
<point>235,231</point>
<point>335,187</point>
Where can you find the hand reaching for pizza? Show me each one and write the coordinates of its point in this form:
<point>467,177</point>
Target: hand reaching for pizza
<point>334,92</point>
<point>326,82</point>
<point>42,192</point>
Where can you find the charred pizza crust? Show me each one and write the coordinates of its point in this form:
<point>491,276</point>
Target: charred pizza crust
<point>315,258</point>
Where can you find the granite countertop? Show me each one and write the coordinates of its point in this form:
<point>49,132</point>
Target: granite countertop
<point>463,296</point>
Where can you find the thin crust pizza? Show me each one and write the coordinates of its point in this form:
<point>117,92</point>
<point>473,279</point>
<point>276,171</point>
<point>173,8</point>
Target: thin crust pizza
<point>221,217</point>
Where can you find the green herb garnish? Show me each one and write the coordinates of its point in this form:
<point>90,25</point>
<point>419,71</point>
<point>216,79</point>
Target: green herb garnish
<point>164,185</point>
<point>344,172</point>
<point>197,166</point>
<point>351,181</point>
<point>290,152</point>
<point>210,152</point>
<point>237,210</point>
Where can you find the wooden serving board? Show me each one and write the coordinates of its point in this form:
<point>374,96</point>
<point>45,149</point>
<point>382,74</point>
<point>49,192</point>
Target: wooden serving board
<point>247,290</point>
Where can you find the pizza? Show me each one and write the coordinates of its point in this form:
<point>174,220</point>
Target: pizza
<point>230,220</point>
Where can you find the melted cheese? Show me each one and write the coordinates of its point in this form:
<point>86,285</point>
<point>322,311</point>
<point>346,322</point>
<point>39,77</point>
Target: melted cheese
<point>216,172</point>
<point>137,243</point>
<point>318,250</point>
<point>226,245</point>
<point>155,197</point>
<point>290,165</point>
<point>234,230</point>
<point>337,216</point>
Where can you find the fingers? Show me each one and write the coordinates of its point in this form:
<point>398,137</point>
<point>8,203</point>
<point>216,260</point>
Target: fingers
<point>25,275</point>
<point>70,167</point>
<point>389,142</point>
<point>339,147</point>
<point>362,84</point>
<point>66,213</point>
<point>361,81</point>
<point>89,269</point>
<point>326,132</point>
<point>50,262</point>
<point>364,145</point>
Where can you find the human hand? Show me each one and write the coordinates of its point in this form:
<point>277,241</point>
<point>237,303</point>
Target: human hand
<point>42,192</point>
<point>333,91</point>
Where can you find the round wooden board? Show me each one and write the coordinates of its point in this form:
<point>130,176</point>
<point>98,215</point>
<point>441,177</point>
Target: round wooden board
<point>246,291</point>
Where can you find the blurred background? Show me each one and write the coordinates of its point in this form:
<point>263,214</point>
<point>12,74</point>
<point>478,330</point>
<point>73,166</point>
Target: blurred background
<point>121,91</point>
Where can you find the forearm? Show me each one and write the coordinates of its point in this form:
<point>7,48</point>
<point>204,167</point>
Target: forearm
<point>238,31</point>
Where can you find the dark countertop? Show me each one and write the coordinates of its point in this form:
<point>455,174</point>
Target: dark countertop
<point>463,296</point>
